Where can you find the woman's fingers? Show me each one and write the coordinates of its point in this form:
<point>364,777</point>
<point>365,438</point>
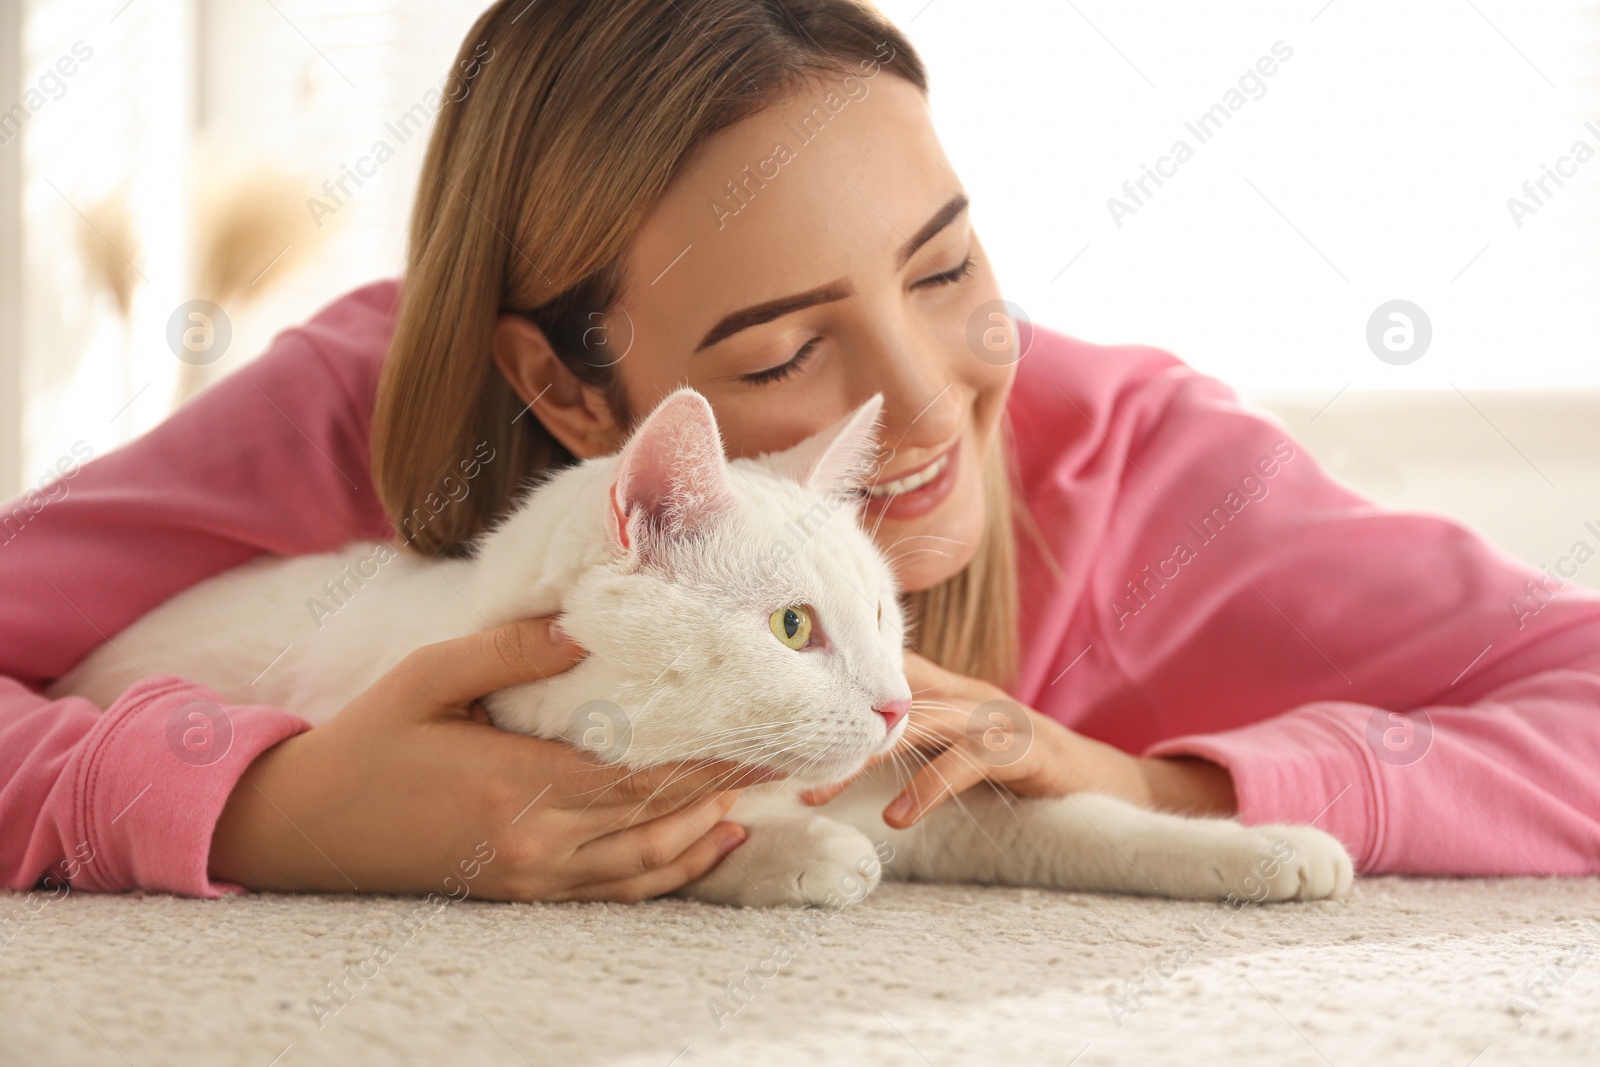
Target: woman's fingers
<point>952,772</point>
<point>824,793</point>
<point>641,848</point>
<point>452,674</point>
<point>695,863</point>
<point>658,856</point>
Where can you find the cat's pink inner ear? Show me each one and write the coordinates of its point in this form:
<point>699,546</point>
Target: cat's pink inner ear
<point>671,474</point>
<point>840,458</point>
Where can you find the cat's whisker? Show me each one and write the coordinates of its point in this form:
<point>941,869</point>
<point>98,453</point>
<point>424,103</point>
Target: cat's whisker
<point>961,752</point>
<point>977,823</point>
<point>873,533</point>
<point>904,552</point>
<point>948,744</point>
<point>704,741</point>
<point>924,732</point>
<point>764,747</point>
<point>706,754</point>
<point>928,537</point>
<point>599,791</point>
<point>914,551</point>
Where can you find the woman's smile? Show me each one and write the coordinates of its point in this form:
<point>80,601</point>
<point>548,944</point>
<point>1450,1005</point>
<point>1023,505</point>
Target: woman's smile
<point>918,491</point>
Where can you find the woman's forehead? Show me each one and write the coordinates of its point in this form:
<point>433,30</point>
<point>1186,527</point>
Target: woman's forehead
<point>785,202</point>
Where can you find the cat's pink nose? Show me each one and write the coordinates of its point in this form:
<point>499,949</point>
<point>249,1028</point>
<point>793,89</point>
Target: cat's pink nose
<point>894,711</point>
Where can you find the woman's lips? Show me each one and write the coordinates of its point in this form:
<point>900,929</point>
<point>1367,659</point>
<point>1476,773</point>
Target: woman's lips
<point>918,491</point>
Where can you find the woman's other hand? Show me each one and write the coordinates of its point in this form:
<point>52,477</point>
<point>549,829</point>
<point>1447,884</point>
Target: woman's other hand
<point>969,731</point>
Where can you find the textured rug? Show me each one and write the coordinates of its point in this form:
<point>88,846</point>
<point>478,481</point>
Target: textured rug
<point>1455,972</point>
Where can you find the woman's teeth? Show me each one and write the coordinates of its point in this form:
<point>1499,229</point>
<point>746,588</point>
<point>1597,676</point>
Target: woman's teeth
<point>912,481</point>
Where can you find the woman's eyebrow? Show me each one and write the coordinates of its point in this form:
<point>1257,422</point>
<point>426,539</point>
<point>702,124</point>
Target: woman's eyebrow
<point>941,218</point>
<point>756,314</point>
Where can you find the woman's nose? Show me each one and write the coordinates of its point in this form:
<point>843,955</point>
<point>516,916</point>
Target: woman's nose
<point>922,418</point>
<point>923,391</point>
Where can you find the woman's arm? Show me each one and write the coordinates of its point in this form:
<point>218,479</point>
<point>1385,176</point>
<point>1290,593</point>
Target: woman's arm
<point>1506,785</point>
<point>272,459</point>
<point>106,801</point>
<point>1233,602</point>
<point>1485,789</point>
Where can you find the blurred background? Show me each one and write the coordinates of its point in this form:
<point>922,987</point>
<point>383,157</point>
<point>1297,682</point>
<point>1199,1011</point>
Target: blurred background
<point>163,159</point>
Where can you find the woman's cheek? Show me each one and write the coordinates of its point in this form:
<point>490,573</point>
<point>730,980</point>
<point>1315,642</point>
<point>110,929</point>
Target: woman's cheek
<point>993,388</point>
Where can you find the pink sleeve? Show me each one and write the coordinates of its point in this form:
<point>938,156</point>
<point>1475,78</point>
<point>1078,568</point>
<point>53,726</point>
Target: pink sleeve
<point>272,459</point>
<point>125,798</point>
<point>1391,676</point>
<point>1506,785</point>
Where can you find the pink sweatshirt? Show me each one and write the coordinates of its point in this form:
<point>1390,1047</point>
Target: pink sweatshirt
<point>1211,591</point>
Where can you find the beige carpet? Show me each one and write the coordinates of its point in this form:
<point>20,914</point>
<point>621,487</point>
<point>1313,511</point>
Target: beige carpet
<point>1405,972</point>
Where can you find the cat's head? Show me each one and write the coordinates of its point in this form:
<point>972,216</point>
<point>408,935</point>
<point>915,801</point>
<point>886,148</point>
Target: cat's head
<point>745,614</point>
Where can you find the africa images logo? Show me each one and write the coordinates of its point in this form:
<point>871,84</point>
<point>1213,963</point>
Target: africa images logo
<point>199,733</point>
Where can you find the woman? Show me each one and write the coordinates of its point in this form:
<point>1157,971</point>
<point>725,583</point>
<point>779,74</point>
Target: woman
<point>748,197</point>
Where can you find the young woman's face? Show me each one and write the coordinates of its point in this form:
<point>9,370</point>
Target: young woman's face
<point>849,268</point>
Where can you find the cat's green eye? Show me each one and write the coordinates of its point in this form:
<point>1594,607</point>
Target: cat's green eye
<point>792,626</point>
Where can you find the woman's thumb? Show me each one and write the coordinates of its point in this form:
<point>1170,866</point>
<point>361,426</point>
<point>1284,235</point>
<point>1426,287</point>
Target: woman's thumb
<point>452,674</point>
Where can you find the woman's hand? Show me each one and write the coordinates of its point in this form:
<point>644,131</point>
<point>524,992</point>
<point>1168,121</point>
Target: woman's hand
<point>974,732</point>
<point>409,789</point>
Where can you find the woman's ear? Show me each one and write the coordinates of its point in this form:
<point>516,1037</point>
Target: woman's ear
<point>577,415</point>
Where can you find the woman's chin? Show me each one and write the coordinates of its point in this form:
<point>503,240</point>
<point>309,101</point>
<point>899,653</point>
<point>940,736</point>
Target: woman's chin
<point>924,556</point>
<point>917,575</point>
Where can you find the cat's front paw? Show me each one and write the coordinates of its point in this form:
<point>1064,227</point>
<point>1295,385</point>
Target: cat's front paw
<point>793,863</point>
<point>1278,862</point>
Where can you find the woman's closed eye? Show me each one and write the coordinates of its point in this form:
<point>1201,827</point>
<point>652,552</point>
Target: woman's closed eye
<point>783,370</point>
<point>949,277</point>
<point>798,360</point>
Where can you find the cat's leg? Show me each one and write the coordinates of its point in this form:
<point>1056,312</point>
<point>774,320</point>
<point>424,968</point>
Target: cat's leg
<point>1092,842</point>
<point>793,856</point>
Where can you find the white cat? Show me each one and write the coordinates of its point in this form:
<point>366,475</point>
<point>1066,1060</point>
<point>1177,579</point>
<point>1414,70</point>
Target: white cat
<point>731,609</point>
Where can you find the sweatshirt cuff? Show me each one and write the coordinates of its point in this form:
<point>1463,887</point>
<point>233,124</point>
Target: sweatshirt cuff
<point>1307,766</point>
<point>152,780</point>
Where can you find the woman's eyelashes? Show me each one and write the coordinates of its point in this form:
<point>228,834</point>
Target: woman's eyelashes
<point>949,277</point>
<point>783,370</point>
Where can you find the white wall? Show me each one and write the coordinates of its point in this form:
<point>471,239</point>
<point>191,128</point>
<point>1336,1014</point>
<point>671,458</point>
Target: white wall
<point>1377,165</point>
<point>1523,467</point>
<point>10,264</point>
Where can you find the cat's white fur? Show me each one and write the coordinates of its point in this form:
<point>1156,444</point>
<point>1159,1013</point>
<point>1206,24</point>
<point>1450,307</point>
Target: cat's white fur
<point>665,561</point>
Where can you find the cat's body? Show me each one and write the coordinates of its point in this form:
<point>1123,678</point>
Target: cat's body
<point>690,578</point>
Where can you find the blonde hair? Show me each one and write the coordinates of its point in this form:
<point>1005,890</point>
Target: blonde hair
<point>565,123</point>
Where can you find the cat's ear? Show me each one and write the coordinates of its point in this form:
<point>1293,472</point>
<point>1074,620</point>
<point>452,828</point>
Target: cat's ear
<point>839,460</point>
<point>671,478</point>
